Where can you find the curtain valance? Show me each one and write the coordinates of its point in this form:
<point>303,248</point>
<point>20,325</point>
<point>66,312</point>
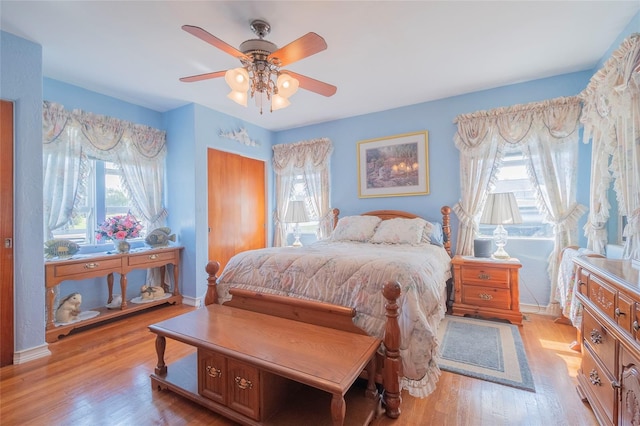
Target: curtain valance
<point>103,133</point>
<point>314,153</point>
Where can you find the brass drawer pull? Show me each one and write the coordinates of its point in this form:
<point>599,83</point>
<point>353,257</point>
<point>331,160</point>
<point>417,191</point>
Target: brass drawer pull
<point>213,372</point>
<point>596,337</point>
<point>91,265</point>
<point>243,383</point>
<point>593,377</point>
<point>618,312</point>
<point>153,256</point>
<point>484,276</point>
<point>485,296</point>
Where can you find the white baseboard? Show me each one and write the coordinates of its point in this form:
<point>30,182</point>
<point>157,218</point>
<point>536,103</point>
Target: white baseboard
<point>526,308</point>
<point>27,355</point>
<point>198,302</point>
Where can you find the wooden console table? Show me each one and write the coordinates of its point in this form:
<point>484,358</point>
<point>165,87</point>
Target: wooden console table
<point>259,369</point>
<point>102,264</point>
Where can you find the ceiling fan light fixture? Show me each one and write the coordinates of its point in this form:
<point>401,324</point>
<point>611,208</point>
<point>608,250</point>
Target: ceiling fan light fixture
<point>237,79</point>
<point>239,97</point>
<point>287,85</point>
<point>279,102</point>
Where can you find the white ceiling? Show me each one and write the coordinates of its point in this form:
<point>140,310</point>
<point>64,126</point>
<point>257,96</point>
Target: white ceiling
<point>380,55</point>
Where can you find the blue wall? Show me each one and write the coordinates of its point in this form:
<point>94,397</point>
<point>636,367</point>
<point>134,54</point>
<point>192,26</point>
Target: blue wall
<point>21,82</point>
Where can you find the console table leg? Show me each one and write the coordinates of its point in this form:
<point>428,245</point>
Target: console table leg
<point>338,409</point>
<point>110,287</point>
<point>123,289</point>
<point>161,344</point>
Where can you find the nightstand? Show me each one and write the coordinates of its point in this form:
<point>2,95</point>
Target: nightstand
<point>487,288</point>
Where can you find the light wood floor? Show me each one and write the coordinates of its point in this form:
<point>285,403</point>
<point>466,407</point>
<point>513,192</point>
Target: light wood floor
<point>100,376</point>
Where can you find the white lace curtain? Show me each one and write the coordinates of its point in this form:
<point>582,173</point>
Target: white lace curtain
<point>311,160</point>
<point>547,134</point>
<point>611,118</point>
<point>70,138</point>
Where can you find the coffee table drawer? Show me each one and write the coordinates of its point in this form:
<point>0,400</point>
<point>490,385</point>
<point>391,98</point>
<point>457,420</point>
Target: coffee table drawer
<point>212,374</point>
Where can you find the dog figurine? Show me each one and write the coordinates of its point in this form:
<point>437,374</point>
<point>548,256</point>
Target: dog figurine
<point>69,308</point>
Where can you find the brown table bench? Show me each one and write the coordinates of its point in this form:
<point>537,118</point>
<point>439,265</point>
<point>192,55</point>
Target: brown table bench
<point>250,366</point>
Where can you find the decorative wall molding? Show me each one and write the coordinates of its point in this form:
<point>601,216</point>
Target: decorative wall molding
<point>241,135</point>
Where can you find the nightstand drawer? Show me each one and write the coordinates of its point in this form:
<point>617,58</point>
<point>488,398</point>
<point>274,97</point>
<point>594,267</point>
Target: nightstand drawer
<point>489,297</point>
<point>484,276</point>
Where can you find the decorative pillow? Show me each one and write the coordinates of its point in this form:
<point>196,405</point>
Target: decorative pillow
<point>355,228</point>
<point>433,234</point>
<point>399,231</point>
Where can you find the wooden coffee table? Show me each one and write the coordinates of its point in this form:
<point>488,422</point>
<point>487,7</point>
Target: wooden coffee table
<point>250,365</point>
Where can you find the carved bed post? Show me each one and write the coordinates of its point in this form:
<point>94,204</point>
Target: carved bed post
<point>446,228</point>
<point>212,269</point>
<point>392,361</point>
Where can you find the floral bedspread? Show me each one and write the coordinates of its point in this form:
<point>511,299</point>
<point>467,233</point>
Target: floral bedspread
<point>353,274</point>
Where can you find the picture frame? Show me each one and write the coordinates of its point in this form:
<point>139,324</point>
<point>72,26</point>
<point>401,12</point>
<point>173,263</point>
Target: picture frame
<point>394,166</point>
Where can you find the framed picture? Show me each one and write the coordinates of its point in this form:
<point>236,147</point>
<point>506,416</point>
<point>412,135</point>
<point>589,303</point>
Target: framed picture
<point>394,166</point>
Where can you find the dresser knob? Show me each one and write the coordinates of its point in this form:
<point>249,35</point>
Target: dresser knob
<point>580,282</point>
<point>594,378</point>
<point>485,296</point>
<point>615,384</point>
<point>596,337</point>
<point>636,326</point>
<point>618,312</point>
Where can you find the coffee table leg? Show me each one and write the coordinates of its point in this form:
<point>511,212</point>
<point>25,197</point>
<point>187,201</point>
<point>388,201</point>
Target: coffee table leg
<point>338,409</point>
<point>161,344</point>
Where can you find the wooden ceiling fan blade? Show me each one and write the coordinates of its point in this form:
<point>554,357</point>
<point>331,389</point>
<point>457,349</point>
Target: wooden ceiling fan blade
<point>213,40</point>
<point>201,77</point>
<point>313,85</point>
<point>307,45</point>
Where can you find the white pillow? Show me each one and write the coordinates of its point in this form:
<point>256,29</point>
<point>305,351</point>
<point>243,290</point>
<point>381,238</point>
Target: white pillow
<point>355,228</point>
<point>400,231</point>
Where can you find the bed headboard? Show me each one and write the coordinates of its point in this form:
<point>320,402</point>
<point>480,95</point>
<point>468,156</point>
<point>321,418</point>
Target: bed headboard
<point>391,214</point>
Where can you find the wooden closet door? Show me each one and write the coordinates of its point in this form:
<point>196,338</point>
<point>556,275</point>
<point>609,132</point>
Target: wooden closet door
<point>6,234</point>
<point>236,205</point>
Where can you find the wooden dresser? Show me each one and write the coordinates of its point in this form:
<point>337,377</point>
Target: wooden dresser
<point>609,378</point>
<point>487,288</point>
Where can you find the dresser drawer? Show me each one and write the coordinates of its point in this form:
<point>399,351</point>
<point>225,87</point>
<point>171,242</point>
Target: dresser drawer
<point>477,275</point>
<point>600,340</point>
<point>603,296</point>
<point>149,258</point>
<point>599,384</point>
<point>99,267</point>
<point>490,297</point>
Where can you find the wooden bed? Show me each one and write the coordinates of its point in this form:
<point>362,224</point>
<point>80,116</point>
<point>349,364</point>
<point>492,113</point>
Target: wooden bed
<point>389,366</point>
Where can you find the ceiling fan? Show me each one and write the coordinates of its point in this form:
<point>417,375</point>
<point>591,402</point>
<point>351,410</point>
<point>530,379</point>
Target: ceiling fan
<point>261,73</point>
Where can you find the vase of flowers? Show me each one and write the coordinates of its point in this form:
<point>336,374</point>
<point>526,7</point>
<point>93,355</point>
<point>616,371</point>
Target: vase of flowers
<point>119,228</point>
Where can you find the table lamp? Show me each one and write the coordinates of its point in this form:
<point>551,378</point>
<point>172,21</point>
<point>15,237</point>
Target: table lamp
<point>296,214</point>
<point>501,209</point>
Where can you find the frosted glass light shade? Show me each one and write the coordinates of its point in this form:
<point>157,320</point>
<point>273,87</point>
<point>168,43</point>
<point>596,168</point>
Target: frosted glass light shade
<point>238,97</point>
<point>237,79</point>
<point>279,102</point>
<point>287,85</point>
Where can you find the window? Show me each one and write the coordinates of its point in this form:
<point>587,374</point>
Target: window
<point>105,197</point>
<point>299,191</point>
<point>512,177</point>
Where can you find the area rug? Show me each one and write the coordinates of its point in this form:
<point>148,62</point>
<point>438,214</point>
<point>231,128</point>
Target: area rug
<point>487,350</point>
